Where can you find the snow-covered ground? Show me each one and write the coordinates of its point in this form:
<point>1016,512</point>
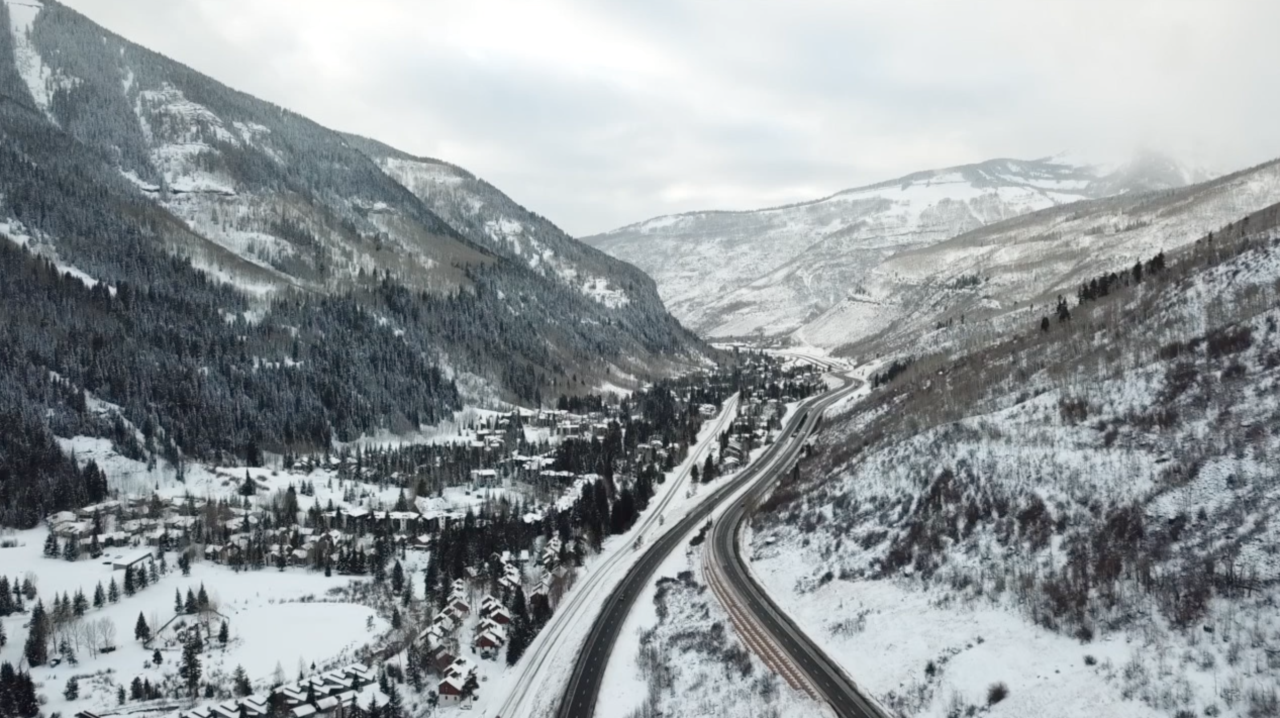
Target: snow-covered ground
<point>886,636</point>
<point>131,477</point>
<point>678,655</point>
<point>274,618</point>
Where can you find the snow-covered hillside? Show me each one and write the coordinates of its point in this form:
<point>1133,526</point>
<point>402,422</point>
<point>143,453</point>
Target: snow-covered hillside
<point>817,268</point>
<point>1084,512</point>
<point>493,220</point>
<point>220,209</point>
<point>987,280</point>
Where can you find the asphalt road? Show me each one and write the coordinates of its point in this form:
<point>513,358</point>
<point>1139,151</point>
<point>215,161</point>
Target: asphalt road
<point>824,676</point>
<point>583,690</point>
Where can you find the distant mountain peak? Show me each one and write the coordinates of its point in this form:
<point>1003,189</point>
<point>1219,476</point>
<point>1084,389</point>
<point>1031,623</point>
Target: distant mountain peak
<point>779,270</point>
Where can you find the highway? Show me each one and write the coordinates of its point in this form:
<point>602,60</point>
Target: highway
<point>583,690</point>
<point>543,657</point>
<point>765,627</point>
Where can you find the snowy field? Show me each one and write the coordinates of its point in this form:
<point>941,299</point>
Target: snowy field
<point>886,636</point>
<point>271,620</point>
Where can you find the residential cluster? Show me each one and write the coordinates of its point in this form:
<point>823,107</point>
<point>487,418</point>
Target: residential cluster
<point>323,694</point>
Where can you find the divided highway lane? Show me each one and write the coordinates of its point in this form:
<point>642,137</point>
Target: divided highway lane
<point>583,690</point>
<point>540,665</point>
<point>770,631</point>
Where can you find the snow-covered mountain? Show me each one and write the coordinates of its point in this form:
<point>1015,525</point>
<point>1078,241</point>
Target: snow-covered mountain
<point>229,278</point>
<point>775,271</point>
<point>489,218</point>
<point>984,280</point>
<point>270,202</point>
<point>1084,511</point>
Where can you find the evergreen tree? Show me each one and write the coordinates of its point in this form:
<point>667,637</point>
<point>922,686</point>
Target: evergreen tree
<point>128,581</point>
<point>99,596</point>
<point>71,549</point>
<point>6,597</point>
<point>407,596</point>
<point>80,604</point>
<point>72,690</point>
<point>37,647</point>
<point>17,693</point>
<point>51,546</point>
<point>397,578</point>
<point>156,658</point>
<point>415,668</point>
<point>141,631</point>
<point>190,670</point>
<point>113,591</point>
<point>394,707</point>
<point>177,601</point>
<point>240,682</point>
<point>224,634</point>
<point>191,607</point>
<point>202,599</point>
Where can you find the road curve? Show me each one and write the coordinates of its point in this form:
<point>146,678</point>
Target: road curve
<point>766,628</point>
<point>534,670</point>
<point>583,690</point>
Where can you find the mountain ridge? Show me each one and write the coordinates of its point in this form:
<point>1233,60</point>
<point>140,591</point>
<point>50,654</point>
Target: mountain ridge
<point>770,273</point>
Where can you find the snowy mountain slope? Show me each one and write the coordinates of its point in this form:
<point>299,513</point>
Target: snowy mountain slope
<point>273,188</point>
<point>243,280</point>
<point>270,202</point>
<point>772,271</point>
<point>986,279</point>
<point>486,216</point>
<point>1085,513</point>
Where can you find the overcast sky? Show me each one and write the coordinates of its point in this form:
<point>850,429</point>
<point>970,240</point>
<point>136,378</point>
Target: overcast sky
<point>604,112</point>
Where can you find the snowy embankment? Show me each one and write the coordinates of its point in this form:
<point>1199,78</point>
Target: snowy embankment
<point>537,681</point>
<point>887,636</point>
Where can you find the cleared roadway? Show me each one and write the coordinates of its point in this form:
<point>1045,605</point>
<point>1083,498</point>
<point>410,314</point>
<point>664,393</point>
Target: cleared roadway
<point>583,690</point>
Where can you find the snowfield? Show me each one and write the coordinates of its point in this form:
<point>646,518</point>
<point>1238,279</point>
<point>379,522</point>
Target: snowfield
<point>274,619</point>
<point>886,635</point>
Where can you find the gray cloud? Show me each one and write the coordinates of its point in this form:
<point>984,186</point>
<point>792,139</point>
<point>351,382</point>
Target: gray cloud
<point>596,114</point>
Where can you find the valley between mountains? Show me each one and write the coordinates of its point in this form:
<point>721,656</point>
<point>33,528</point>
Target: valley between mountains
<point>296,424</point>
